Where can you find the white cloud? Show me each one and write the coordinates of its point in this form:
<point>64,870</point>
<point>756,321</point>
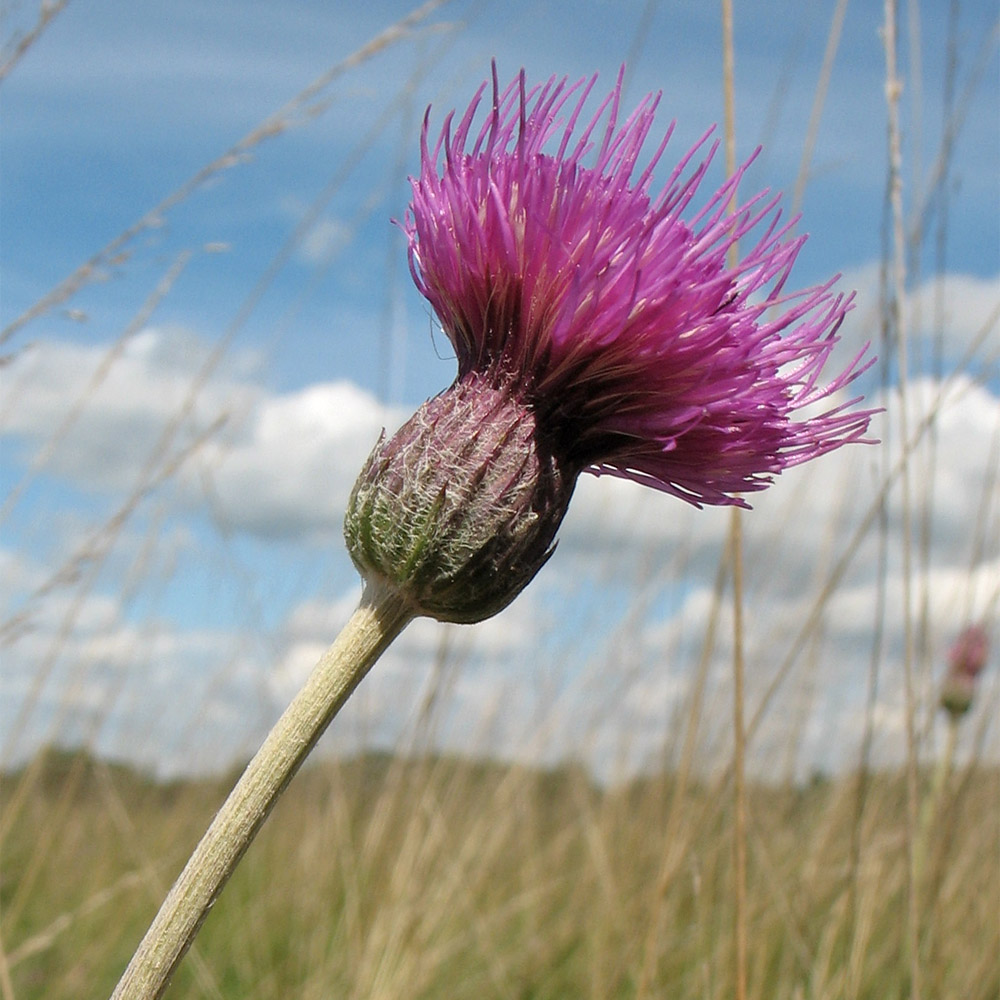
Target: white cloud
<point>325,238</point>
<point>80,670</point>
<point>291,468</point>
<point>813,505</point>
<point>954,308</point>
<point>104,408</point>
<point>596,659</point>
<point>281,465</point>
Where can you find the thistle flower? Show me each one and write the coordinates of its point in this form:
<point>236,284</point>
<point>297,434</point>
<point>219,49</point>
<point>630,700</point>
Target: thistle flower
<point>966,661</point>
<point>596,330</point>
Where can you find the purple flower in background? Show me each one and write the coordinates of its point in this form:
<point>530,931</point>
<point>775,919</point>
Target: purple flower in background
<point>968,654</point>
<point>598,328</point>
<point>966,661</point>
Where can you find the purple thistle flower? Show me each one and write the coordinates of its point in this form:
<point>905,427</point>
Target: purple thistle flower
<point>596,330</point>
<point>968,654</point>
<point>966,661</point>
<point>645,355</point>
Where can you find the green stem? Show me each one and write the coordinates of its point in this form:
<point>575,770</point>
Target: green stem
<point>380,617</point>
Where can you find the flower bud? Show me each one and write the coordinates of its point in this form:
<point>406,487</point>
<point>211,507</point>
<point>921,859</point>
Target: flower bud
<point>458,511</point>
<point>957,694</point>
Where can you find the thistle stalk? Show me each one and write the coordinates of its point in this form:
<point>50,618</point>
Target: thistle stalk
<point>380,617</point>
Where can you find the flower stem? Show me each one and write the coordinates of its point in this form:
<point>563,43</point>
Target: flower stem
<point>380,617</point>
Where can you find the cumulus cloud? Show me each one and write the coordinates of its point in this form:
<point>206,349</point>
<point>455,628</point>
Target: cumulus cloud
<point>596,659</point>
<point>824,586</point>
<point>81,670</point>
<point>279,465</point>
<point>290,469</point>
<point>950,311</point>
<point>804,522</point>
<point>97,411</point>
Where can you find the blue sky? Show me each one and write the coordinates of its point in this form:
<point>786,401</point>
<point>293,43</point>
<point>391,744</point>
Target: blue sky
<point>228,571</point>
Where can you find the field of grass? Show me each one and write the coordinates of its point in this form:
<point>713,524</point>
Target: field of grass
<point>383,877</point>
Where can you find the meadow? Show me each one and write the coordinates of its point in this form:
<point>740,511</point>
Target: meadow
<point>383,876</point>
<point>702,756</point>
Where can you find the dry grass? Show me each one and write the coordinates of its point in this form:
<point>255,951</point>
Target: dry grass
<point>384,877</point>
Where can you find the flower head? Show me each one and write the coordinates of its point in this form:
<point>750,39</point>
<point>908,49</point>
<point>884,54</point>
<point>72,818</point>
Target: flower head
<point>551,265</point>
<point>968,654</point>
<point>598,327</point>
<point>966,661</point>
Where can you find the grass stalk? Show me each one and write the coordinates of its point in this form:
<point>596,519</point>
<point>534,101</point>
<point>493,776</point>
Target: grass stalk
<point>736,559</point>
<point>295,110</point>
<point>893,91</point>
<point>932,802</point>
<point>47,13</point>
<point>380,617</point>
